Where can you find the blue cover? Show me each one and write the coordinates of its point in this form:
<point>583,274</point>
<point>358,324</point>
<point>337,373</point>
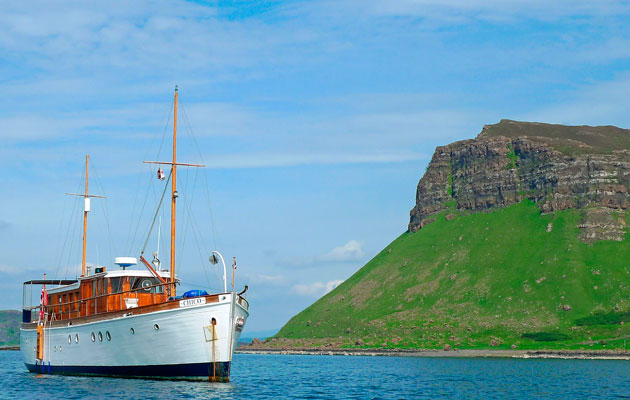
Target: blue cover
<point>194,293</point>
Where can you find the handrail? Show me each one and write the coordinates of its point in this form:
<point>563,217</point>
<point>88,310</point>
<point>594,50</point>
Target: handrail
<point>57,305</point>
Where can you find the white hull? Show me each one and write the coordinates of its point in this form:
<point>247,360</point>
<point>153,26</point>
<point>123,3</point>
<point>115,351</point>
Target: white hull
<point>169,343</point>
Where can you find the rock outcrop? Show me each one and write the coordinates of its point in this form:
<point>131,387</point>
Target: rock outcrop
<point>558,167</point>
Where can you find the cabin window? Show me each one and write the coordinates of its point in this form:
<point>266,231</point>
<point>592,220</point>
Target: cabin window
<point>93,288</point>
<point>76,305</point>
<point>116,284</point>
<point>144,284</point>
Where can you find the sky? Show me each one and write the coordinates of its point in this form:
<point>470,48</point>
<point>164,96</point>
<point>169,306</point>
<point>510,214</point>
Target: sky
<point>315,121</point>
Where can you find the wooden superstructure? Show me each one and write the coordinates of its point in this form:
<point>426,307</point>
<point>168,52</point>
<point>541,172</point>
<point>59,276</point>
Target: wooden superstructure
<point>102,293</point>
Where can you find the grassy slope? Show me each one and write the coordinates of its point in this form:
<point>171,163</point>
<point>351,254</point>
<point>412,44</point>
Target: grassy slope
<point>505,277</point>
<point>10,328</point>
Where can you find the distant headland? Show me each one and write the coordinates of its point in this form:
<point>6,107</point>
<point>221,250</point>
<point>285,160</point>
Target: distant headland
<point>517,241</point>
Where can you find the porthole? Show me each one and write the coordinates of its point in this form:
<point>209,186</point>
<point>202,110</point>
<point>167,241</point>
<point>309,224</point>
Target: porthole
<point>26,341</point>
<point>132,331</point>
<point>93,337</point>
<point>69,339</point>
<point>76,338</point>
<point>55,349</point>
<point>156,327</point>
<point>100,337</point>
<point>60,348</point>
<point>108,336</point>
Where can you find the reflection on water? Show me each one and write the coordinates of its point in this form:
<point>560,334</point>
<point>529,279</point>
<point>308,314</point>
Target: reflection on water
<point>339,377</point>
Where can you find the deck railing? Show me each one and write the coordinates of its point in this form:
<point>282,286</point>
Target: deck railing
<point>94,304</point>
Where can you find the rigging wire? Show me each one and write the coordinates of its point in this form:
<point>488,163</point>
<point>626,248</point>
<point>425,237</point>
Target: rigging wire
<point>73,215</point>
<point>59,247</point>
<point>106,212</point>
<point>129,244</point>
<point>207,192</point>
<point>156,214</point>
<point>188,207</point>
<point>186,220</point>
<point>72,240</point>
<point>205,175</point>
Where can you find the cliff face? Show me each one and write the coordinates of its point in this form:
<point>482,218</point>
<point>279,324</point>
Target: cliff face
<point>547,164</point>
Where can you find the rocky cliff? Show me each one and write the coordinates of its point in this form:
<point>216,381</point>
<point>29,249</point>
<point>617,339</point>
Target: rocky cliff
<point>558,167</point>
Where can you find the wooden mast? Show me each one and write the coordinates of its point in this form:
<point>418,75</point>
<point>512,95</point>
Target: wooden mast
<point>174,194</point>
<point>173,197</point>
<point>85,211</point>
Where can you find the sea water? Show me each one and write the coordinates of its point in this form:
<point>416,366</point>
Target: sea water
<point>259,376</point>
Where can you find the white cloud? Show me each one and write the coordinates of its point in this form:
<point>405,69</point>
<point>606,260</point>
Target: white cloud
<point>315,289</point>
<point>351,251</point>
<point>268,280</point>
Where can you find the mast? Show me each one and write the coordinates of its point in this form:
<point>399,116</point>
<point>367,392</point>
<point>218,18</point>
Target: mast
<point>173,196</point>
<point>86,208</point>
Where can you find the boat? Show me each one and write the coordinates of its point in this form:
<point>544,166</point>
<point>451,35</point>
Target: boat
<point>130,322</point>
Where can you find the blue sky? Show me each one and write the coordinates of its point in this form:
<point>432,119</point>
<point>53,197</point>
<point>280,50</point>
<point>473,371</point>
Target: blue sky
<point>315,119</point>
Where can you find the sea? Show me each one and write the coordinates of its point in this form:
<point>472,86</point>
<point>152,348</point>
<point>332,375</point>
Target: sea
<point>261,376</point>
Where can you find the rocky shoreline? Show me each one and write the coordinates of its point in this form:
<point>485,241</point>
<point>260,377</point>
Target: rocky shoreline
<point>469,353</point>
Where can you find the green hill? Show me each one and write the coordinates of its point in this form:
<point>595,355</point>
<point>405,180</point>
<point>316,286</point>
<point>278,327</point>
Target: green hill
<point>512,243</point>
<point>495,277</point>
<point>9,328</point>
